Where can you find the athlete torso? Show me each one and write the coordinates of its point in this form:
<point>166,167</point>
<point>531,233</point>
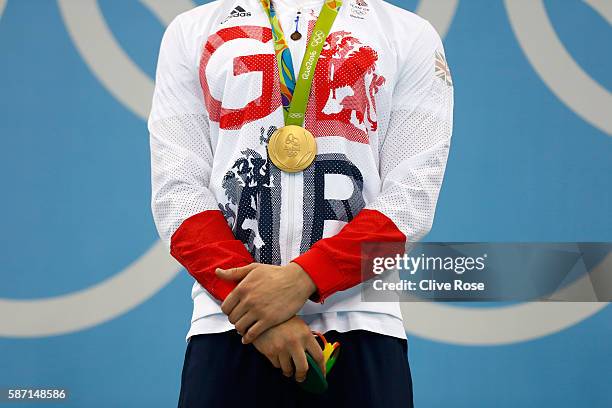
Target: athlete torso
<point>279,215</point>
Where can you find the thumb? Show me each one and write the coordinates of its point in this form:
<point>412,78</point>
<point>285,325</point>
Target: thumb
<point>235,274</point>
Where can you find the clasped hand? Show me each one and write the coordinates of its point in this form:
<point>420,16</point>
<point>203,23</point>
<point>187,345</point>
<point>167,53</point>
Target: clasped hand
<point>266,296</point>
<point>263,309</point>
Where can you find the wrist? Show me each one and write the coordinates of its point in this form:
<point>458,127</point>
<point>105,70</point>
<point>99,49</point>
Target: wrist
<point>302,280</point>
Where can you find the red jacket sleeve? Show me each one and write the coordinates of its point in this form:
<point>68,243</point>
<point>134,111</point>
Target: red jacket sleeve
<point>335,263</point>
<point>203,243</point>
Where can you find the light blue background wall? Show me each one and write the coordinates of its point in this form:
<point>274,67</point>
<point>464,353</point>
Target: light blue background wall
<point>75,203</point>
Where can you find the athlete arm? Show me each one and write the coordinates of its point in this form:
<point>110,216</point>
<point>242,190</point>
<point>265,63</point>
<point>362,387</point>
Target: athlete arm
<point>186,213</point>
<point>413,158</point>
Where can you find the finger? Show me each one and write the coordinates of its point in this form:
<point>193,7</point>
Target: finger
<point>275,361</point>
<point>235,274</point>
<point>239,311</point>
<point>255,330</point>
<point>284,359</point>
<point>230,302</point>
<point>244,323</point>
<point>273,358</point>
<point>315,351</point>
<point>301,364</point>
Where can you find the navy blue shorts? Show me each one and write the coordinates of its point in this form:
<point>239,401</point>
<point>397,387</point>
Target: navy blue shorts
<point>219,371</point>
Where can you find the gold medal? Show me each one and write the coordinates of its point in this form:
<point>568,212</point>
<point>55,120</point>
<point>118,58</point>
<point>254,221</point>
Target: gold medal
<point>292,148</point>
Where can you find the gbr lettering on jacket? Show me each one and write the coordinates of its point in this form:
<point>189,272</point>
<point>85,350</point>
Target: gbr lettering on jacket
<point>342,102</point>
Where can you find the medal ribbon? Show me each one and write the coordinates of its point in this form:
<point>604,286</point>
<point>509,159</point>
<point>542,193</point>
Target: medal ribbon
<point>295,93</point>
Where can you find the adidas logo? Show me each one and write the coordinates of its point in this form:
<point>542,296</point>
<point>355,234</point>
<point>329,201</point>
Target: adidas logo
<point>238,11</point>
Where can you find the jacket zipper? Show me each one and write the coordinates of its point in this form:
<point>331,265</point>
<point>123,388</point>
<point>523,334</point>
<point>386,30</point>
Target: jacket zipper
<point>290,216</point>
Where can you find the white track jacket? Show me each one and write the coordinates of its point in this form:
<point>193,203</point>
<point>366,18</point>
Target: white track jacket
<point>380,109</point>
